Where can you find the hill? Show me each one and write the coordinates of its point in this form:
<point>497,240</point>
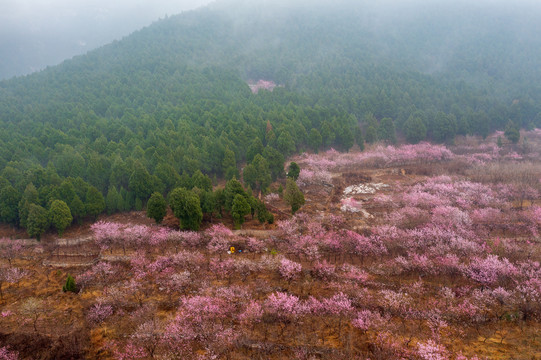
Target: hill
<point>409,252</point>
<point>173,98</point>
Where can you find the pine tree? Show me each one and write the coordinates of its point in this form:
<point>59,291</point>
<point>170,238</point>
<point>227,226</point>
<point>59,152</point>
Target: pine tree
<point>285,144</point>
<point>37,222</point>
<point>359,138</point>
<point>95,203</point>
<point>262,172</point>
<point>512,132</point>
<point>293,171</point>
<point>276,162</point>
<point>414,129</point>
<point>229,165</point>
<point>187,208</point>
<point>239,210</point>
<point>232,188</point>
<point>387,131</point>
<point>77,209</point>
<point>443,127</point>
<point>315,140</point>
<point>156,207</point>
<point>9,200</point>
<point>249,175</point>
<point>293,196</point>
<point>255,148</point>
<point>371,133</point>
<point>113,201</point>
<point>70,285</point>
<point>30,196</point>
<point>327,134</point>
<point>138,204</point>
<point>60,216</point>
<point>141,182</point>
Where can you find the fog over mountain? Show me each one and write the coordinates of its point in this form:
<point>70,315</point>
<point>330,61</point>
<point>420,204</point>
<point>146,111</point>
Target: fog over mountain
<point>39,33</point>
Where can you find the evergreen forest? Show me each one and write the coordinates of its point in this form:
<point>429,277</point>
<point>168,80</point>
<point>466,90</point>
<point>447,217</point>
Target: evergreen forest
<point>169,107</point>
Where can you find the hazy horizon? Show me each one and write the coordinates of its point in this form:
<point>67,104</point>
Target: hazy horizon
<point>35,34</point>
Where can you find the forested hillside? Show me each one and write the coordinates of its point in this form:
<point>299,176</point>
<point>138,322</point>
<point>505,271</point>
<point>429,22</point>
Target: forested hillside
<point>169,105</point>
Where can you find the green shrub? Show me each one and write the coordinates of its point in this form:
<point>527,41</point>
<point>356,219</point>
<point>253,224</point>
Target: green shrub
<point>70,285</point>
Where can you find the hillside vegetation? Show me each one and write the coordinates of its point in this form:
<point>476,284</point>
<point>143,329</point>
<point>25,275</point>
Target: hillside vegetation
<point>380,164</point>
<point>146,113</point>
<point>415,252</point>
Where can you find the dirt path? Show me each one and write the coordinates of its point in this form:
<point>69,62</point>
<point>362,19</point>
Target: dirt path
<point>260,234</point>
<point>73,241</point>
<point>58,241</point>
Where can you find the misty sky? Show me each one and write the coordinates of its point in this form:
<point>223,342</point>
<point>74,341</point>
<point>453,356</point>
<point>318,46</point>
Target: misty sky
<point>37,33</point>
